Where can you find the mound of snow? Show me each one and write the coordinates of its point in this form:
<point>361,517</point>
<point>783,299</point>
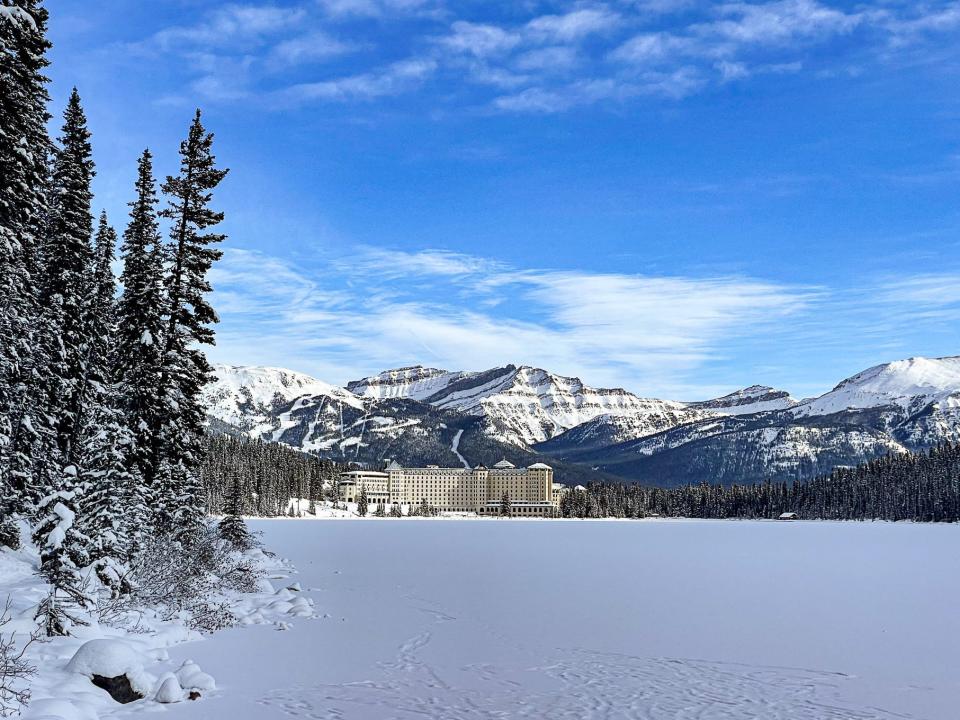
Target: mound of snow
<point>191,677</point>
<point>170,690</point>
<point>111,658</point>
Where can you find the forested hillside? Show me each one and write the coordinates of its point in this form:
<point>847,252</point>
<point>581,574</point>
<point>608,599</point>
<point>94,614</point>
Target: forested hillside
<point>923,487</point>
<point>270,475</point>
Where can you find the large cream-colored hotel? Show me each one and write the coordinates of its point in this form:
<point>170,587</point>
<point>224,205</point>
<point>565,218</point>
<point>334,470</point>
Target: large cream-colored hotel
<point>531,490</point>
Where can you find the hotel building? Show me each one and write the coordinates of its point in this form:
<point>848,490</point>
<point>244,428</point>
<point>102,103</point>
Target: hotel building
<point>531,490</point>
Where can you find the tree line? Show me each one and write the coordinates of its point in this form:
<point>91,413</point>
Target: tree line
<point>101,421</point>
<point>923,487</point>
<point>268,477</point>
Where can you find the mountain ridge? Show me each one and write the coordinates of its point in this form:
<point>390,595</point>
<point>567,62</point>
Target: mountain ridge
<point>750,434</point>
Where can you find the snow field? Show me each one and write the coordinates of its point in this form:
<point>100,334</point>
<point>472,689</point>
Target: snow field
<point>659,620</point>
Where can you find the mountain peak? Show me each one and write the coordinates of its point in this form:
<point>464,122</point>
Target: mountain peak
<point>748,400</point>
<point>910,384</point>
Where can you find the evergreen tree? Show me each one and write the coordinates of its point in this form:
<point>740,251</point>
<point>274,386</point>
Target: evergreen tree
<point>68,256</point>
<point>113,506</point>
<point>63,552</point>
<point>506,507</point>
<point>185,370</point>
<point>64,548</point>
<point>362,502</point>
<point>24,152</point>
<point>381,510</point>
<point>232,526</point>
<point>137,358</point>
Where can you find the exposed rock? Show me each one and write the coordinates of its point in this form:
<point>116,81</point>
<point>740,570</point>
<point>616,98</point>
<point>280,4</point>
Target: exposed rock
<point>119,688</point>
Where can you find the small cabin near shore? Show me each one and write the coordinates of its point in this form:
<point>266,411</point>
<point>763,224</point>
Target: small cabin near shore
<point>789,516</point>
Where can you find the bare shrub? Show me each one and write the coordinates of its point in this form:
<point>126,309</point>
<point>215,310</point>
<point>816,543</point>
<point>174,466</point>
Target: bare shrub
<point>15,671</point>
<point>185,580</point>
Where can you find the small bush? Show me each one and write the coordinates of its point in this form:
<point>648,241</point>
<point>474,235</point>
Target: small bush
<point>187,581</point>
<point>14,670</point>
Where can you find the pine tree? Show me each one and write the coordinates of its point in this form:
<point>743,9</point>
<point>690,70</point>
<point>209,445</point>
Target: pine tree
<point>68,256</point>
<point>24,152</point>
<point>114,511</point>
<point>185,368</point>
<point>232,527</point>
<point>64,377</point>
<point>362,504</point>
<point>137,358</point>
<point>63,552</point>
<point>506,507</point>
<point>381,510</point>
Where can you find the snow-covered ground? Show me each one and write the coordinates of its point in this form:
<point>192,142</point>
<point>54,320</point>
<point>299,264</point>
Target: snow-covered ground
<point>631,619</point>
<point>138,647</point>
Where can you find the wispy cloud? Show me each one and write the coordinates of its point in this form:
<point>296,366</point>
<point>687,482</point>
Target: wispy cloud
<point>573,25</point>
<point>549,62</point>
<point>608,327</point>
<point>391,80</point>
<point>231,25</point>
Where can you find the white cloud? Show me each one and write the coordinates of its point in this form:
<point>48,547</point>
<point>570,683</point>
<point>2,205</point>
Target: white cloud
<point>374,8</point>
<point>647,333</point>
<point>480,40</point>
<point>652,47</point>
<point>394,79</point>
<point>928,20</point>
<point>551,59</point>
<point>232,24</point>
<point>315,45</point>
<point>778,22</point>
<point>573,25</point>
<point>923,291</point>
<point>588,53</point>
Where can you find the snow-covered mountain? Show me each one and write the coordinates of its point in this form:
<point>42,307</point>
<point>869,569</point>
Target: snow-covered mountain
<point>911,385</point>
<point>246,397</point>
<point>426,415</point>
<point>416,383</point>
<point>522,405</point>
<point>754,399</point>
<point>605,430</point>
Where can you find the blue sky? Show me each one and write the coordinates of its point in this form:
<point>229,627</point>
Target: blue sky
<point>672,196</point>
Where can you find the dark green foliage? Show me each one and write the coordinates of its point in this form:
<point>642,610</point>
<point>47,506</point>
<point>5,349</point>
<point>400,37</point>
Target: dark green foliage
<point>9,533</point>
<point>506,506</point>
<point>362,503</point>
<point>232,527</point>
<point>185,370</point>
<point>923,487</point>
<point>271,475</point>
<point>137,360</point>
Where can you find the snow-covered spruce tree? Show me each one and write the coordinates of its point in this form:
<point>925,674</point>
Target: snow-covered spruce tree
<point>63,377</point>
<point>137,357</point>
<point>232,526</point>
<point>185,368</point>
<point>68,260</point>
<point>63,552</point>
<point>506,507</point>
<point>114,511</point>
<point>24,152</point>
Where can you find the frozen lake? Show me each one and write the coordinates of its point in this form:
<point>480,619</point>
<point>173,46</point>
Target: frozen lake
<point>653,619</point>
